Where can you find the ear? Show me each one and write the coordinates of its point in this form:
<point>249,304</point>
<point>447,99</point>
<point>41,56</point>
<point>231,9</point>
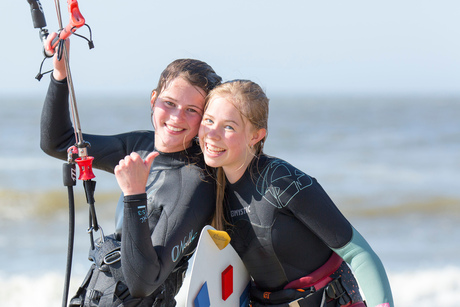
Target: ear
<point>153,98</point>
<point>257,136</point>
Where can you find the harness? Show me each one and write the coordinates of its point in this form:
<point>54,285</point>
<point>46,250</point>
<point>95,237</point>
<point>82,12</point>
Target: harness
<point>104,284</point>
<point>331,285</point>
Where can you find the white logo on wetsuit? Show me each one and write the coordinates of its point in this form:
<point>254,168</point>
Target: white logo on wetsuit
<point>279,185</point>
<point>240,212</point>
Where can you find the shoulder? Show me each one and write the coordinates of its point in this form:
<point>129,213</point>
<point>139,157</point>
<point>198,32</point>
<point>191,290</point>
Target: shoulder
<point>140,141</point>
<point>279,182</point>
<point>273,170</point>
<point>198,175</point>
<point>144,135</point>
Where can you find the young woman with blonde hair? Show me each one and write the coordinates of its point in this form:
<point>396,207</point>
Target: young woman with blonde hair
<point>294,241</point>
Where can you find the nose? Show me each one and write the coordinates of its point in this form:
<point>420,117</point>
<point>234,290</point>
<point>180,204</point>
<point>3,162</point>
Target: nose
<point>211,132</point>
<point>178,114</point>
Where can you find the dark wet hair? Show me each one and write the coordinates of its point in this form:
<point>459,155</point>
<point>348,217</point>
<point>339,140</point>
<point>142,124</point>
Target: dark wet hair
<point>195,72</point>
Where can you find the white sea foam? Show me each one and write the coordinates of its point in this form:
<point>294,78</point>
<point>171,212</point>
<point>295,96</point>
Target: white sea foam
<point>427,288</point>
<point>433,287</point>
<point>23,290</point>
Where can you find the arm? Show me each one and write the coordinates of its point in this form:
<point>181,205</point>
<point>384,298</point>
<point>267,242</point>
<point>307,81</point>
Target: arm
<point>57,133</point>
<point>334,229</point>
<point>186,205</point>
<point>140,261</point>
<point>368,269</point>
<point>318,212</point>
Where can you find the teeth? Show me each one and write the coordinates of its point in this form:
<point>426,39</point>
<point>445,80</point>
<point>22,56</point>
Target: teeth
<point>174,128</point>
<point>214,148</point>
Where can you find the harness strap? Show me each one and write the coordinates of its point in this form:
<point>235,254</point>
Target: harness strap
<point>320,277</point>
<point>338,287</point>
<point>121,291</point>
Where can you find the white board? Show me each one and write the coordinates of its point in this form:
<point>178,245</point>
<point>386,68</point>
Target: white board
<point>215,277</point>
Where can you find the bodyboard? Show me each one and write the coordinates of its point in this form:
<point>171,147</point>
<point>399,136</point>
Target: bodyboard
<point>216,275</point>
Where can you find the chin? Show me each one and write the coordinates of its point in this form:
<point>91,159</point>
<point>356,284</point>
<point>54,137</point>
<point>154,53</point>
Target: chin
<point>211,162</point>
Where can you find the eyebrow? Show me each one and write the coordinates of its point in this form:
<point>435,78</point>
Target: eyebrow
<point>225,121</point>
<point>168,98</point>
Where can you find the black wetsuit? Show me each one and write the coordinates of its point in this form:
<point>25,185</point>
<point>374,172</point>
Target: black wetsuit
<point>180,197</point>
<point>284,223</point>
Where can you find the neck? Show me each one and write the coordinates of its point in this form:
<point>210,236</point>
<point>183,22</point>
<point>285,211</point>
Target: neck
<point>234,174</point>
<point>159,146</point>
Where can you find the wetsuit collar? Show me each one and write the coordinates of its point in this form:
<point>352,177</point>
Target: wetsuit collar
<point>252,171</point>
<point>192,152</point>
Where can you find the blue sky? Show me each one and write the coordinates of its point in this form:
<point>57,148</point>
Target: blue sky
<point>289,47</point>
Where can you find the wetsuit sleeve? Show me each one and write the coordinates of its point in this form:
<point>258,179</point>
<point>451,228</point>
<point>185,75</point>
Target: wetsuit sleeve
<point>139,258</point>
<point>148,259</point>
<point>368,269</point>
<point>313,206</point>
<point>57,133</point>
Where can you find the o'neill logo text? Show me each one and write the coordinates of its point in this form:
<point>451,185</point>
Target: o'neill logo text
<point>179,249</point>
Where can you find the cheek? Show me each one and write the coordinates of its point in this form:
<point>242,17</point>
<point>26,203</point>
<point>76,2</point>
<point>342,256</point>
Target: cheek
<point>194,123</point>
<point>236,143</point>
<point>158,114</point>
<point>201,131</point>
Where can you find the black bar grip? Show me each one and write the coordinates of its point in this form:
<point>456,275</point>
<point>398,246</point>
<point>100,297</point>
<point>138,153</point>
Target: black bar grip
<point>38,17</point>
<point>69,174</point>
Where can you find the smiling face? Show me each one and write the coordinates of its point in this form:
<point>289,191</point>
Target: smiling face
<point>227,139</point>
<point>177,113</point>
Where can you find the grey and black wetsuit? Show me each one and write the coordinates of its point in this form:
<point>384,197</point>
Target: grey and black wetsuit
<point>180,197</point>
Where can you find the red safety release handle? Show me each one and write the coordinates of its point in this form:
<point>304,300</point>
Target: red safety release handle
<point>76,21</point>
<point>86,168</point>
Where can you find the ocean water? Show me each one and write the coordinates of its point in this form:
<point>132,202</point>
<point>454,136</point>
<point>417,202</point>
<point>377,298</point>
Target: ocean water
<point>391,164</point>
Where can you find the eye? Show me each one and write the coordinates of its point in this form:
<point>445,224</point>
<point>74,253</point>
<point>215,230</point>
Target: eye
<point>169,103</point>
<point>228,127</point>
<point>194,111</point>
<point>207,121</point>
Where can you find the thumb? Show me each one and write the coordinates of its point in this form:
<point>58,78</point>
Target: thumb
<point>149,160</point>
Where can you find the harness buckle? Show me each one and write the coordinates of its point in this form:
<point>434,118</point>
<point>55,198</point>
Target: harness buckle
<point>336,291</point>
<point>112,257</point>
<point>101,232</point>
